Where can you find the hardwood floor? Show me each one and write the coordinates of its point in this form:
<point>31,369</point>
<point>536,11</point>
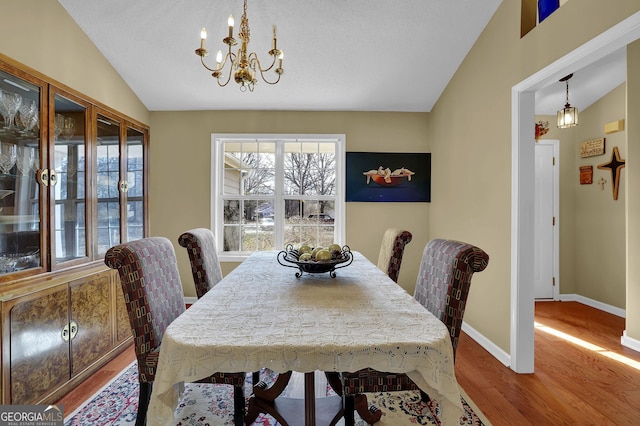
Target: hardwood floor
<point>86,389</point>
<point>571,384</point>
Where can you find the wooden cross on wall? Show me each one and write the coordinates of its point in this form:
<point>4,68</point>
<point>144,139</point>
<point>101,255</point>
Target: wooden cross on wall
<point>615,165</point>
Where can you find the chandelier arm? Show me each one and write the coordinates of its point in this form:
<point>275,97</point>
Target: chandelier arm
<point>231,57</point>
<point>205,65</point>
<point>263,77</point>
<point>254,56</point>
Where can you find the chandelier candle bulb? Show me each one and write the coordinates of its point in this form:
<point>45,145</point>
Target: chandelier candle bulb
<point>274,37</point>
<point>218,59</point>
<point>230,22</point>
<point>203,37</point>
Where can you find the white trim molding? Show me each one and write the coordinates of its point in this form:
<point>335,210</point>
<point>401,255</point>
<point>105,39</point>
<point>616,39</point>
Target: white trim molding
<point>594,304</point>
<point>629,342</point>
<point>487,344</point>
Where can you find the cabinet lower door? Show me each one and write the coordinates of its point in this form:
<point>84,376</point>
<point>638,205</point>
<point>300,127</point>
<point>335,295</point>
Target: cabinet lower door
<point>39,347</point>
<point>90,304</point>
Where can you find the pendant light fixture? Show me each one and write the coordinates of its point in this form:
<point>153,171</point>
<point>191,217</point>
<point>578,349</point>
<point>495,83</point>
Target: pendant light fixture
<point>567,116</point>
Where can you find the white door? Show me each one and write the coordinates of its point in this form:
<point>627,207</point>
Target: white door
<point>546,220</point>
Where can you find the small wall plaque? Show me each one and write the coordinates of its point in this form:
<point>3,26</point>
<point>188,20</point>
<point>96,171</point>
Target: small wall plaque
<point>592,148</point>
<point>586,175</point>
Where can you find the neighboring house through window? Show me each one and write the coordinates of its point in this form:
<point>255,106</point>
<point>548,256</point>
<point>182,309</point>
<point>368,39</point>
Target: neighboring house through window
<point>272,190</point>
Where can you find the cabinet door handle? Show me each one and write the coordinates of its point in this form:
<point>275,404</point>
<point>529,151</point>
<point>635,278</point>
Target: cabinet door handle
<point>53,177</point>
<point>124,186</point>
<point>65,333</point>
<point>44,176</point>
<point>73,329</point>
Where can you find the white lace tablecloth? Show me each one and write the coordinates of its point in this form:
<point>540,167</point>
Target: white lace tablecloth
<point>261,315</point>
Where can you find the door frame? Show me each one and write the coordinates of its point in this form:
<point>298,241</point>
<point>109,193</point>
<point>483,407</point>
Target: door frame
<point>522,179</point>
<point>555,244</point>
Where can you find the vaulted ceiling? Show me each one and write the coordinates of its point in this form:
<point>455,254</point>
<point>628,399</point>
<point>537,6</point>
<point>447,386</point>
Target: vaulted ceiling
<point>340,55</point>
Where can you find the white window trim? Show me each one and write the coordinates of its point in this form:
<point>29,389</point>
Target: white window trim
<point>217,182</point>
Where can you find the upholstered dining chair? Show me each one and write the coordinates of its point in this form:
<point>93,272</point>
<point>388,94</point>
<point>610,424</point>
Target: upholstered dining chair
<point>442,286</point>
<point>205,267</point>
<point>394,241</point>
<point>152,290</point>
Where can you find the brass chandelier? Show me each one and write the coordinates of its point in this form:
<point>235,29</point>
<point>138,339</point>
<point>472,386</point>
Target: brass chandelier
<point>243,65</point>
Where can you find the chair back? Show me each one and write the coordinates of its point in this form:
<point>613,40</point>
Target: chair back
<point>152,289</point>
<point>393,242</point>
<point>444,279</point>
<point>205,267</point>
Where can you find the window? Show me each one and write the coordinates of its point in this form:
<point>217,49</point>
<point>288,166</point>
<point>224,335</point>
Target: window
<point>274,190</point>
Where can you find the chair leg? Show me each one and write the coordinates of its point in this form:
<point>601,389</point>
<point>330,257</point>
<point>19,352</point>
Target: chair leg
<point>238,406</point>
<point>143,403</point>
<point>349,410</point>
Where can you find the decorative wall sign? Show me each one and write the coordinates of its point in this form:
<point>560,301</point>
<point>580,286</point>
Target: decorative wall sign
<point>592,148</point>
<point>388,176</point>
<point>615,165</point>
<point>586,175</point>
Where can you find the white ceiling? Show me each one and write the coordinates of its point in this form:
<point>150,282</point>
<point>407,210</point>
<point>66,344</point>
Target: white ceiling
<point>340,55</point>
<point>586,86</point>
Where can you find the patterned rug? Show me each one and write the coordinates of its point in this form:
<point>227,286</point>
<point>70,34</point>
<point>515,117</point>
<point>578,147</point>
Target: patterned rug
<point>210,405</point>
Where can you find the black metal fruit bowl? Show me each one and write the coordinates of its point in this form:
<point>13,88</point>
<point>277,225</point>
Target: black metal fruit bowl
<point>290,257</point>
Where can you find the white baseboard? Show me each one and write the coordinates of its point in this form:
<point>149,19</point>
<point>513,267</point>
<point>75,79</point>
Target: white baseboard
<point>594,304</point>
<point>487,344</point>
<point>630,342</point>
<point>505,358</point>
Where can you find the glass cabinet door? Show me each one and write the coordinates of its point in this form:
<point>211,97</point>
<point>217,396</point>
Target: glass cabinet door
<point>20,204</point>
<point>67,176</point>
<point>108,183</point>
<point>134,185</point>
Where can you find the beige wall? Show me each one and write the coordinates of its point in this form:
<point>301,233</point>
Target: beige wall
<point>592,224</point>
<point>600,239</point>
<point>181,163</point>
<point>472,147</point>
<point>632,126</point>
<point>42,35</point>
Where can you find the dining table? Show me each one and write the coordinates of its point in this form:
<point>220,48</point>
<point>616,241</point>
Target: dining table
<point>265,315</point>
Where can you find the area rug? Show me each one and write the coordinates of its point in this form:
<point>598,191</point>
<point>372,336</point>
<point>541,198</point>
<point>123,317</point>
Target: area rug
<point>209,405</point>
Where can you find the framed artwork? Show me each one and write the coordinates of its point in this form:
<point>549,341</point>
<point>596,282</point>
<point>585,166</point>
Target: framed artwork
<point>388,177</point>
<point>586,175</point>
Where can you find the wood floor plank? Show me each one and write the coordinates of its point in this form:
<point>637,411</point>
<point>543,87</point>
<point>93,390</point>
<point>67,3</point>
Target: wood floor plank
<point>571,384</point>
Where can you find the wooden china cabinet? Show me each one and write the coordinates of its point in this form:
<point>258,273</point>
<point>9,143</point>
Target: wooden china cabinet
<point>73,182</point>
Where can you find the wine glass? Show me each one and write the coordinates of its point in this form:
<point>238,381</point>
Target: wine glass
<point>26,157</point>
<point>7,157</point>
<point>36,159</point>
<point>59,125</point>
<point>35,120</point>
<point>11,103</point>
<point>68,128</point>
<point>26,112</point>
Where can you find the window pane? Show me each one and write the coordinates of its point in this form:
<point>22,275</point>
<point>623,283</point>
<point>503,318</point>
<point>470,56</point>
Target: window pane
<point>249,168</point>
<point>252,217</point>
<point>135,189</point>
<point>307,171</point>
<point>69,137</point>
